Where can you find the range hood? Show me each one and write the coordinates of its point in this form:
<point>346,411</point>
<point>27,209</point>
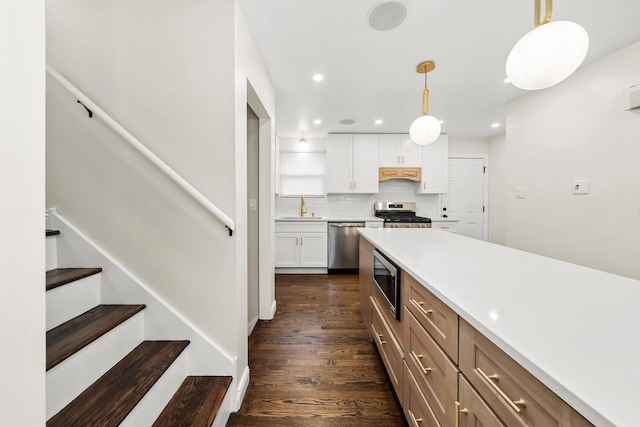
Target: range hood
<point>412,174</point>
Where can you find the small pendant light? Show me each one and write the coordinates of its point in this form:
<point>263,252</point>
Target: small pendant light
<point>548,54</point>
<point>425,129</point>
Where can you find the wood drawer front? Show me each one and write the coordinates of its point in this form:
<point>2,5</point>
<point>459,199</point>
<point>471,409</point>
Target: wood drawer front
<point>434,372</point>
<point>474,411</point>
<point>383,305</point>
<point>388,347</point>
<point>415,406</point>
<point>541,407</point>
<point>436,317</point>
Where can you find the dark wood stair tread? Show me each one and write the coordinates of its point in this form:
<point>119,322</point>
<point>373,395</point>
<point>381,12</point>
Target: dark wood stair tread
<point>66,339</point>
<point>62,276</point>
<point>52,232</point>
<point>109,400</point>
<point>195,403</point>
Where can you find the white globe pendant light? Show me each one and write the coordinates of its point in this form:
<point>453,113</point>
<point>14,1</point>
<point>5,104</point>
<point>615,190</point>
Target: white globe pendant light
<point>548,54</point>
<point>425,129</point>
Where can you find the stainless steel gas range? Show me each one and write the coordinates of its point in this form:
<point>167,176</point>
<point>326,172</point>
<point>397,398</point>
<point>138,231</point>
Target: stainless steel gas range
<point>400,215</point>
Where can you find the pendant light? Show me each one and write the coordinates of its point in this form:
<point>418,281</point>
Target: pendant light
<point>425,129</point>
<point>548,54</point>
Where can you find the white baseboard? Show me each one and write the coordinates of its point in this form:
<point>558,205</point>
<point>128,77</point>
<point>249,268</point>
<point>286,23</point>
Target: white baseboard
<point>288,270</point>
<point>243,384</point>
<point>273,309</point>
<point>252,325</point>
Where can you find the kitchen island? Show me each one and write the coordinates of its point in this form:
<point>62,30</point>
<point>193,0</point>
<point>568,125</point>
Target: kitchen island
<point>573,328</point>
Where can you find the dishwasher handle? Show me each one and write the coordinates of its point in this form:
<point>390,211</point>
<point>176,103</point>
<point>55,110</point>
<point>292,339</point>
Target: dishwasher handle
<point>346,224</point>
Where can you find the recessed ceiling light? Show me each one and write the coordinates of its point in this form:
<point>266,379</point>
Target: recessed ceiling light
<point>378,122</point>
<point>347,121</point>
<point>318,77</point>
<point>495,125</point>
<point>387,15</point>
<point>317,122</point>
<point>302,141</point>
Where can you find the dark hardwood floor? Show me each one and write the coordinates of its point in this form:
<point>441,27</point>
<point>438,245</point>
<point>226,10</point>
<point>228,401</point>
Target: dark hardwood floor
<point>314,364</point>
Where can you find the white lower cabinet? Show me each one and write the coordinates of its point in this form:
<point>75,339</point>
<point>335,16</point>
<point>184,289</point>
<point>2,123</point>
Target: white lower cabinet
<point>301,244</point>
<point>450,226</point>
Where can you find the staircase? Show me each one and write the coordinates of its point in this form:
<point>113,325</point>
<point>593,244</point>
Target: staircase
<point>104,370</point>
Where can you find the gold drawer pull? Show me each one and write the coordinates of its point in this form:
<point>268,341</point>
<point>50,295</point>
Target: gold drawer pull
<point>420,304</point>
<point>489,379</point>
<point>458,412</point>
<point>418,357</point>
<point>414,420</point>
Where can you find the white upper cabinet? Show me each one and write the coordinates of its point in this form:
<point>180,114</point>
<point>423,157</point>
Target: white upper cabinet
<point>435,166</point>
<point>399,151</point>
<point>352,163</point>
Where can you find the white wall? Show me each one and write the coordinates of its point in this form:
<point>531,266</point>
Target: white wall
<point>497,189</point>
<point>22,241</point>
<point>254,88</point>
<point>163,71</point>
<point>578,130</point>
<point>461,147</point>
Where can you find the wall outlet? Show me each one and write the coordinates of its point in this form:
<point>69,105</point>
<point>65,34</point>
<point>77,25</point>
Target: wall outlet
<point>580,186</point>
<point>521,192</point>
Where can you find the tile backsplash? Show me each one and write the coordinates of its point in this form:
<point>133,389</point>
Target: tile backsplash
<point>361,205</point>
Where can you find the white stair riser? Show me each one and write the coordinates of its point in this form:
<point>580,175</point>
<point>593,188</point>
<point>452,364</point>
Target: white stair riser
<point>51,252</point>
<point>152,404</point>
<point>68,301</point>
<point>69,378</point>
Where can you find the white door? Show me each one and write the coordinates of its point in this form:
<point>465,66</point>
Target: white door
<point>466,194</point>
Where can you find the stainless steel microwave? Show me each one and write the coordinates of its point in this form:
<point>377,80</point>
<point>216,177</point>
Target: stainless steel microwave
<point>386,278</point>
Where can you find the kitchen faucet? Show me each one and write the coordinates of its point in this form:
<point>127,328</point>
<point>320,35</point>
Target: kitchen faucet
<point>303,208</point>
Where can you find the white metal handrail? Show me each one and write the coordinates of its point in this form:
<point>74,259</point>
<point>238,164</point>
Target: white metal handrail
<point>90,105</point>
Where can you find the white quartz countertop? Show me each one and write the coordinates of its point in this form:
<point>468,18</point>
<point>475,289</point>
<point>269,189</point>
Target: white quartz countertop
<point>329,219</point>
<point>574,328</point>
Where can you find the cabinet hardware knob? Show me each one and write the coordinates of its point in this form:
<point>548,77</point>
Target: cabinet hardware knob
<point>419,305</point>
<point>490,381</point>
<point>458,412</point>
<point>415,420</point>
<point>424,185</point>
<point>402,159</point>
<point>417,357</point>
<point>301,241</point>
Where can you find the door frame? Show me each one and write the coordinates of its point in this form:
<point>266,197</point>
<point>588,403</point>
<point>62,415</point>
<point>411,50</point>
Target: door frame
<point>485,195</point>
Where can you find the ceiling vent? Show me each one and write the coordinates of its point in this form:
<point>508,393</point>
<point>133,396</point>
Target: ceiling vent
<point>387,15</point>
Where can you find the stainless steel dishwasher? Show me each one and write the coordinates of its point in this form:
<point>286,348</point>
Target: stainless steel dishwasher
<point>343,246</point>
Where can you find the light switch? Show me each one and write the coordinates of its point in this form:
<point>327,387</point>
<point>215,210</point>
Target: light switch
<point>521,192</point>
<point>253,204</point>
<point>580,186</point>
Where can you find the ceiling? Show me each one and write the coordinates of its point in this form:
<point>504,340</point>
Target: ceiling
<point>370,74</point>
